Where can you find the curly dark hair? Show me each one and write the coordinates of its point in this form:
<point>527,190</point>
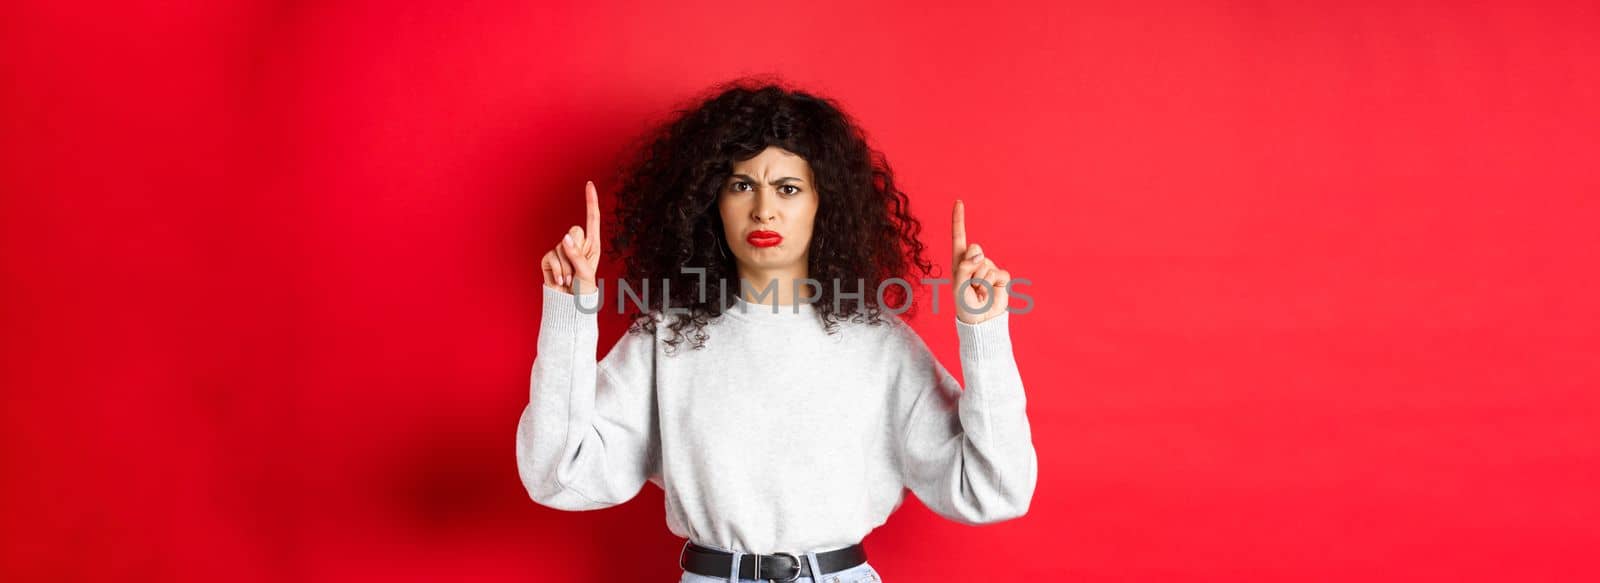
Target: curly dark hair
<point>667,217</point>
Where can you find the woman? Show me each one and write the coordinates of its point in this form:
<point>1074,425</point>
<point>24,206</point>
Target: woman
<point>799,414</point>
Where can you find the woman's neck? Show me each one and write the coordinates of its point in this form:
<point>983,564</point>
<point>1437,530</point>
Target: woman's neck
<point>777,286</point>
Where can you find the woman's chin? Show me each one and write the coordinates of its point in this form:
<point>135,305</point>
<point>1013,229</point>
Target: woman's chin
<point>768,258</point>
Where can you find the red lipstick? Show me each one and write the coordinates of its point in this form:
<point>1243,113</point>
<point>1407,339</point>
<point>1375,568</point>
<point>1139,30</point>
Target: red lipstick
<point>764,238</point>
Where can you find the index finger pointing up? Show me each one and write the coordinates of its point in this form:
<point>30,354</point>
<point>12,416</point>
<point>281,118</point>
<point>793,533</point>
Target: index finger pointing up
<point>958,228</point>
<point>592,226</point>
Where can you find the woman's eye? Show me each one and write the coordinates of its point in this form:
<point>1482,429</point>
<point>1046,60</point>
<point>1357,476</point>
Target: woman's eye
<point>739,186</point>
<point>795,191</point>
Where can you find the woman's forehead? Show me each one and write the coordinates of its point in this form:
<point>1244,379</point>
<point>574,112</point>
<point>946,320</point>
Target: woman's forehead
<point>772,160</point>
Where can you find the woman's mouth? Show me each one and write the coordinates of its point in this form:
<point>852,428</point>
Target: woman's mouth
<point>764,238</point>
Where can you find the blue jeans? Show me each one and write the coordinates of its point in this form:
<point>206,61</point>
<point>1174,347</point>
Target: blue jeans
<point>863,573</point>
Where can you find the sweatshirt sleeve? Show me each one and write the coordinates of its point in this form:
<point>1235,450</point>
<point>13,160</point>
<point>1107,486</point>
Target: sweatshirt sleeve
<point>968,454</point>
<point>588,437</point>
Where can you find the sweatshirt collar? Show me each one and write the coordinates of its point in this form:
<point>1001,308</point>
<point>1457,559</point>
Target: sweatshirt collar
<point>798,311</point>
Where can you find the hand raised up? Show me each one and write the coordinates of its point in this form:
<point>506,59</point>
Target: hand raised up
<point>576,256</point>
<point>969,266</point>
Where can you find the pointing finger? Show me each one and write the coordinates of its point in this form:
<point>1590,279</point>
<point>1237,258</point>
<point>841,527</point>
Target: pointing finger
<point>967,263</point>
<point>958,228</point>
<point>592,200</point>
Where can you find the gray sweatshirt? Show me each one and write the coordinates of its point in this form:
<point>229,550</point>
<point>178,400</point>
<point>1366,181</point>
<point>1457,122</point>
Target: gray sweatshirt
<point>776,436</point>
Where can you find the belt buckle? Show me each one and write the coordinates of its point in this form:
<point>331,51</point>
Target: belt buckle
<point>797,566</point>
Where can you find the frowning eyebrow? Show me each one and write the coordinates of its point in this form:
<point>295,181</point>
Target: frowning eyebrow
<point>774,182</point>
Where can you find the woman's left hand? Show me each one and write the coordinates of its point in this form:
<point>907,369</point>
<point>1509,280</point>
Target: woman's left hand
<point>971,266</point>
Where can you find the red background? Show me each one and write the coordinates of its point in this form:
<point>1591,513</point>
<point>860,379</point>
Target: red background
<point>1316,286</point>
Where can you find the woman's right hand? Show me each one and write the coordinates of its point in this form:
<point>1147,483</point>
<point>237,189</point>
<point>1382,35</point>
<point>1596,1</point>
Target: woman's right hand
<point>577,255</point>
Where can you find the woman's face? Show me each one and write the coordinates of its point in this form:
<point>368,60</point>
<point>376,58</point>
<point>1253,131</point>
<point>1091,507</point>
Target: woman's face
<point>768,206</point>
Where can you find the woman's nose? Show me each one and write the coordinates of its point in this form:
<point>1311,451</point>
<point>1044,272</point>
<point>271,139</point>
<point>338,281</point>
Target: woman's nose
<point>763,212</point>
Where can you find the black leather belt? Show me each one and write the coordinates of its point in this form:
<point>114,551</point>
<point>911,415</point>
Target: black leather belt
<point>776,567</point>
